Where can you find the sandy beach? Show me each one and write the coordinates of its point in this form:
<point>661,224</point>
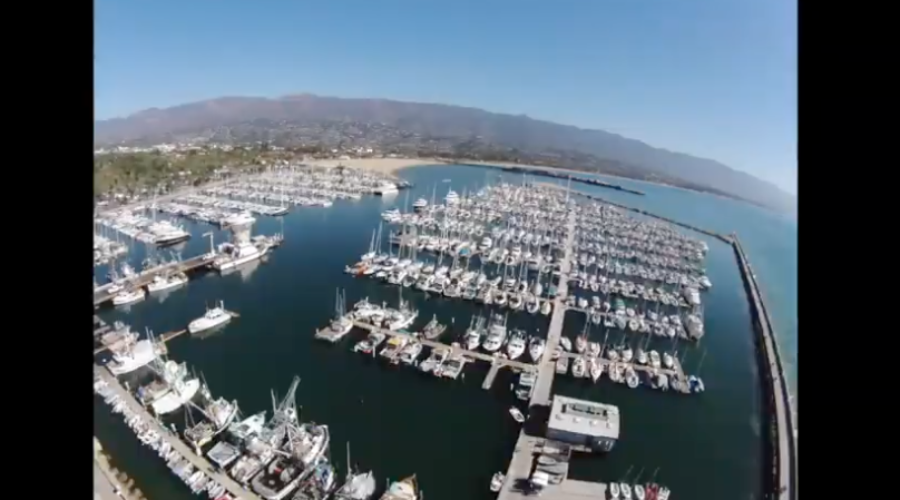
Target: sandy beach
<point>381,165</point>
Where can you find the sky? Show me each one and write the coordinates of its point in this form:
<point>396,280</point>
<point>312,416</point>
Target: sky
<point>712,78</point>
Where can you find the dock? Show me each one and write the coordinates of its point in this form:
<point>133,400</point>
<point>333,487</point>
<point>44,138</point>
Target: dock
<point>146,277</point>
<point>781,449</point>
<point>495,361</point>
<point>492,374</point>
<point>231,486</point>
<point>522,462</point>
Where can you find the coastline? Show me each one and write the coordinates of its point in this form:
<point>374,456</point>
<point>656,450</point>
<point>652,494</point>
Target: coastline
<point>381,165</point>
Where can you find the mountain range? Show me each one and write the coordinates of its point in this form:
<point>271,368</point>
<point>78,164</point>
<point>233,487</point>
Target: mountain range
<point>308,118</point>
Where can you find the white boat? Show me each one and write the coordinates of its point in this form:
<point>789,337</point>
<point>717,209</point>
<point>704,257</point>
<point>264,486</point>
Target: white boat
<point>516,414</point>
<point>631,378</point>
<point>210,319</point>
<point>667,360</point>
<point>410,352</point>
<point>579,367</point>
<point>435,359</point>
<point>516,345</point>
<point>614,490</point>
<point>546,308</point>
<point>497,481</point>
<point>536,348</point>
<point>639,492</point>
<point>626,490</point>
<point>420,204</point>
<point>180,392</point>
<point>235,255</point>
<point>161,283</point>
<point>596,369</point>
<point>694,326</point>
<point>691,295</point>
<point>129,356</point>
<point>386,188</point>
<point>565,343</point>
<point>663,493</point>
<point>129,297</point>
<point>452,198</point>
<point>472,339</point>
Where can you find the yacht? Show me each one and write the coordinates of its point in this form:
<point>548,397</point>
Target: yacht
<point>596,369</point>
<point>516,345</point>
<point>420,205</point>
<point>536,348</point>
<point>452,198</point>
<point>168,234</point>
<point>210,319</point>
<point>234,255</point>
<point>496,334</point>
<point>386,188</point>
<point>161,283</point>
<point>694,326</point>
<point>126,297</point>
<point>405,489</point>
<point>237,219</point>
<point>691,295</point>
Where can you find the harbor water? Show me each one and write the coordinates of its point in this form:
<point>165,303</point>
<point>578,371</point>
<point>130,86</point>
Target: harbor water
<point>453,434</point>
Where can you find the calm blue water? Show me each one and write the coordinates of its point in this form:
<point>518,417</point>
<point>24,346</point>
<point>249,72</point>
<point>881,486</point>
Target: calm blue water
<point>454,434</point>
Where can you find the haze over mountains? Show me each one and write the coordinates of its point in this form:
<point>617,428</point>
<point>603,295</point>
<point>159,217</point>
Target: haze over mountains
<point>271,119</point>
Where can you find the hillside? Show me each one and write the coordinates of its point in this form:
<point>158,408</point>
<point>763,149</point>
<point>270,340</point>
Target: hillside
<point>336,122</point>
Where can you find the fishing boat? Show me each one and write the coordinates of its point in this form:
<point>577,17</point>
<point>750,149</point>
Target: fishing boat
<point>516,414</point>
<point>180,389</point>
<point>434,360</point>
<point>497,481</point>
<point>320,485</point>
<point>210,319</point>
<point>405,489</point>
<point>219,414</point>
<point>129,353</point>
<point>162,283</point>
<point>536,348</point>
<point>126,297</point>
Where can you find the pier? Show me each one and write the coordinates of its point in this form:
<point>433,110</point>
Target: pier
<point>145,278</point>
<point>523,458</point>
<point>231,486</point>
<point>782,445</point>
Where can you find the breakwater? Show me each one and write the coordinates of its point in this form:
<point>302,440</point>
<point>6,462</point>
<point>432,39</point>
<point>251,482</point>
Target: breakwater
<point>781,447</point>
<point>540,172</point>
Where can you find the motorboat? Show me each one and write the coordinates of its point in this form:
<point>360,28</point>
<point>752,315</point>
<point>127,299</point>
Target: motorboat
<point>420,205</point>
<point>579,367</point>
<point>516,345</point>
<point>546,308</point>
<point>410,353</point>
<point>625,488</point>
<point>565,343</point>
<point>180,389</point>
<point>536,348</point>
<point>596,369</point>
<point>516,414</point>
<point>631,377</point>
<point>434,360</point>
<point>639,493</point>
<point>210,319</point>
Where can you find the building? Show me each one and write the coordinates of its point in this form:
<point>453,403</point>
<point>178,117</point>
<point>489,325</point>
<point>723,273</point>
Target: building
<point>588,425</point>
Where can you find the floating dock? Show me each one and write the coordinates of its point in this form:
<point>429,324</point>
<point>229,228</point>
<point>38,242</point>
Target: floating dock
<point>231,486</point>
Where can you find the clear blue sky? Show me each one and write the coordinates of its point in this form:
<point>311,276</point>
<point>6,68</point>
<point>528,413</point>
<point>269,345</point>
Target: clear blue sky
<point>713,78</point>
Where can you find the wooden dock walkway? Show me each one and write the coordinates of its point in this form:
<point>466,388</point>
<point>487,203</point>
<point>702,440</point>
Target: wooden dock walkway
<point>523,456</point>
<point>199,462</point>
<point>145,278</point>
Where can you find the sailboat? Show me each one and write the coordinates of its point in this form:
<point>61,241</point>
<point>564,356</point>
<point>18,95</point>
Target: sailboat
<point>405,489</point>
<point>357,485</point>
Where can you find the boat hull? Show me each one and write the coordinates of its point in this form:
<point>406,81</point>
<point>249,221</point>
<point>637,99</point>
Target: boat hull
<point>172,400</point>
